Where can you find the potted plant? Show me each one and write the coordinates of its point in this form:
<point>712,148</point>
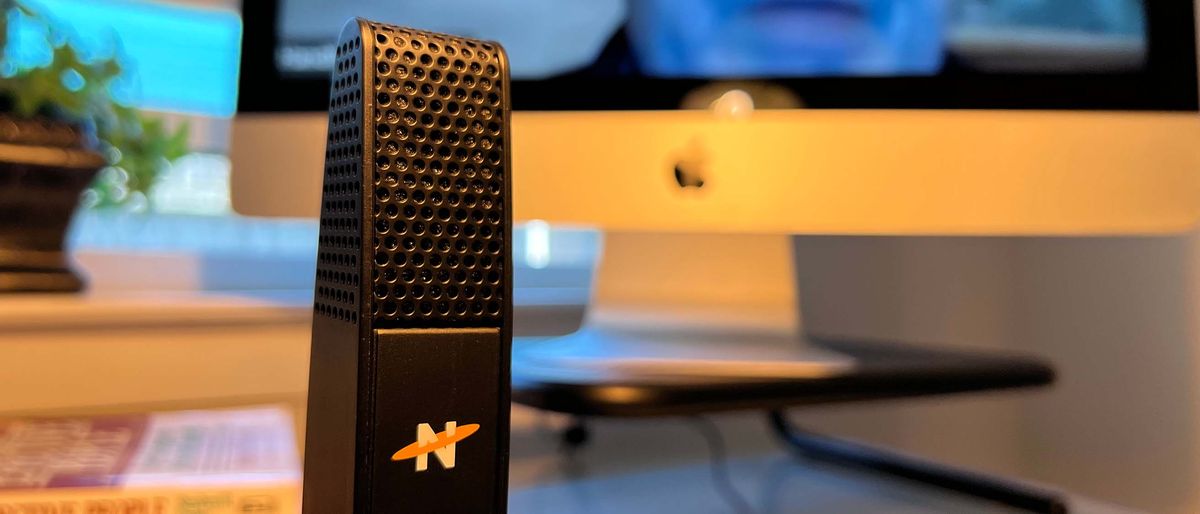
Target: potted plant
<point>59,126</point>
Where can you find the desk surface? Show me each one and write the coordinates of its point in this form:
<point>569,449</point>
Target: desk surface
<point>882,370</point>
<point>774,484</point>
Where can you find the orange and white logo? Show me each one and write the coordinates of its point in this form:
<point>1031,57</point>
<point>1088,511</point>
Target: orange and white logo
<point>442,444</point>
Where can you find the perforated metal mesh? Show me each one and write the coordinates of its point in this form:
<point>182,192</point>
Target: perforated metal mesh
<point>439,179</point>
<point>340,248</point>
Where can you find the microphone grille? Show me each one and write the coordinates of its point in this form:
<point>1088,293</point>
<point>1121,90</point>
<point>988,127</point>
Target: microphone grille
<point>438,208</point>
<point>340,239</point>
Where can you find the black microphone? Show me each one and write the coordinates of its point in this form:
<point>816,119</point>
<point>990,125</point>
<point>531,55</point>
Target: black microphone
<point>409,384</point>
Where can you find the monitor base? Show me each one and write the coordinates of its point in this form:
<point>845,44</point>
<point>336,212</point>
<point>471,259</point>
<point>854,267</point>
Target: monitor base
<point>659,313</point>
<point>612,352</point>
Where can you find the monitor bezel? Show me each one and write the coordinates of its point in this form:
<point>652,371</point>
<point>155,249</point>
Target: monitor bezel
<point>1167,83</point>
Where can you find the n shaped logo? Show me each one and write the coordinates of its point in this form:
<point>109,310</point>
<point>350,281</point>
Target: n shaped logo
<point>442,444</point>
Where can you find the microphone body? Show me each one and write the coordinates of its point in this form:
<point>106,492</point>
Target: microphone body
<point>409,384</point>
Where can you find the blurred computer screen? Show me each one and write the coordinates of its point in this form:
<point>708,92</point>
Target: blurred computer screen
<point>651,54</point>
<point>753,38</point>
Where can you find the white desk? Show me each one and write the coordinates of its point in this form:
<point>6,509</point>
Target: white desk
<point>89,354</point>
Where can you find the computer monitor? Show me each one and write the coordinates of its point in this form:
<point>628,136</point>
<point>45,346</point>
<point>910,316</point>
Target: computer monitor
<point>730,124</point>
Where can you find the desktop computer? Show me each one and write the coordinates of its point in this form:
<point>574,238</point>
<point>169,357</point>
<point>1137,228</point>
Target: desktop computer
<point>700,136</point>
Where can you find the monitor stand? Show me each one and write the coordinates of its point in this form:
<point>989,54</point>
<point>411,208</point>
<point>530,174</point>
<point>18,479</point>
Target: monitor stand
<point>684,324</point>
<point>678,306</point>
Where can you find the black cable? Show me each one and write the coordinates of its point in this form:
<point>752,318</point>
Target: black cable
<point>720,466</point>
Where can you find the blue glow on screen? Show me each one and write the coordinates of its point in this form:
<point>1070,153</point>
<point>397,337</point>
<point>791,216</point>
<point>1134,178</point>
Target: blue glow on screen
<point>751,38</point>
<point>177,59</point>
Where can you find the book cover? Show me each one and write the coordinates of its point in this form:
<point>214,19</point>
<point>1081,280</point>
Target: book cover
<point>194,462</point>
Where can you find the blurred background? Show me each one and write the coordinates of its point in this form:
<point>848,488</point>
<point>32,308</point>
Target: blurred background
<point>1117,315</point>
<point>180,62</point>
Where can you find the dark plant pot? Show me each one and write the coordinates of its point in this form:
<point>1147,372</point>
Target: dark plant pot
<point>44,167</point>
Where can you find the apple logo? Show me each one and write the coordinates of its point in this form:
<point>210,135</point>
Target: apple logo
<point>686,178</point>
<point>689,167</point>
